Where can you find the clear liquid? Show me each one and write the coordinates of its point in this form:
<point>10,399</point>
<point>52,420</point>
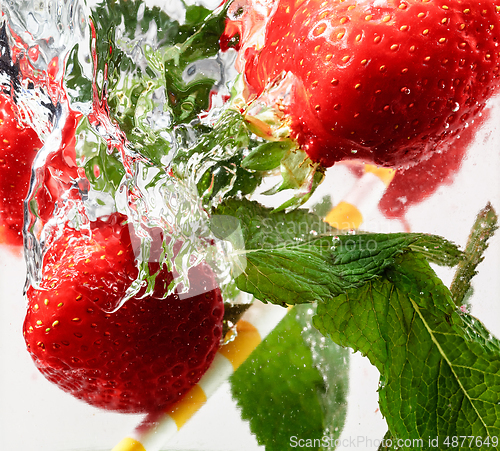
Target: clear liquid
<point>61,47</point>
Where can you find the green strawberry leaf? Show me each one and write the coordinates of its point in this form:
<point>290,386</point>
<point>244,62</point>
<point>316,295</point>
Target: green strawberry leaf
<point>213,163</point>
<point>295,257</point>
<point>298,376</point>
<point>267,156</point>
<point>299,174</point>
<point>440,368</point>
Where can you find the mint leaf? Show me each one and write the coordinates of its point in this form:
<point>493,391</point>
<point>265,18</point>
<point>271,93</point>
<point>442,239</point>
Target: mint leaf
<point>295,375</point>
<point>463,359</point>
<point>134,21</point>
<point>322,207</point>
<point>103,169</point>
<point>190,68</point>
<point>155,72</point>
<point>437,250</point>
<point>440,368</point>
<point>357,320</point>
<point>77,85</point>
<point>291,258</point>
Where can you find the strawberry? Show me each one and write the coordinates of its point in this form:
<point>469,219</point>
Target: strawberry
<point>140,357</point>
<point>388,82</point>
<point>19,145</point>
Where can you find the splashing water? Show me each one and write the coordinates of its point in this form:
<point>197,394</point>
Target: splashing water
<point>115,95</point>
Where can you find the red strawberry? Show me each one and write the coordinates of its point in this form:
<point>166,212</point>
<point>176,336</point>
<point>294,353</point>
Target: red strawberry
<point>18,147</point>
<point>141,357</point>
<point>384,81</point>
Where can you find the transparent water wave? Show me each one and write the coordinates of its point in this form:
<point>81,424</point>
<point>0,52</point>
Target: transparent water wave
<point>118,165</point>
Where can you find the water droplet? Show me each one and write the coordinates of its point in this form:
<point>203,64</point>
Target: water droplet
<point>456,107</point>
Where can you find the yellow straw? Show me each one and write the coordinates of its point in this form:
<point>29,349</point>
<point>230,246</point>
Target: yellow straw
<point>359,203</point>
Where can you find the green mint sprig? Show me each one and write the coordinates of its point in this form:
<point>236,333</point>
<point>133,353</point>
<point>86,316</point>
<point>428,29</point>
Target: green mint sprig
<point>295,258</point>
<point>483,229</point>
<point>440,368</point>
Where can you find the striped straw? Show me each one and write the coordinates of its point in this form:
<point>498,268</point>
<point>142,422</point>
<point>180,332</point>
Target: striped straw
<point>155,430</point>
<point>360,202</point>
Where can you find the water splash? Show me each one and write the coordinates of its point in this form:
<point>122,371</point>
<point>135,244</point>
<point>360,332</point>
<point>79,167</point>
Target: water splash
<point>112,137</point>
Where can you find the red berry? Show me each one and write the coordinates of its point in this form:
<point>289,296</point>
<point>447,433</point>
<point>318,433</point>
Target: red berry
<point>384,82</point>
<point>18,147</point>
<point>141,357</point>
